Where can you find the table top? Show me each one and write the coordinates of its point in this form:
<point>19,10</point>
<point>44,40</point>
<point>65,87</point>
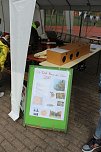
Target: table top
<point>94,38</point>
<point>72,63</point>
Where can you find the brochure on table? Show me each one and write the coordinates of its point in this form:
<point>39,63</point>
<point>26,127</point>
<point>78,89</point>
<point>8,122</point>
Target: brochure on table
<point>48,97</point>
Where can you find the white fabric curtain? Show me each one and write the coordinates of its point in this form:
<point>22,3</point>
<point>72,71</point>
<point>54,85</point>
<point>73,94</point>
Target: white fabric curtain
<point>69,20</point>
<point>21,16</point>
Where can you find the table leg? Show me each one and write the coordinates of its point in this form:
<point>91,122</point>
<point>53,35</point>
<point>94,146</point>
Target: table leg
<point>98,63</point>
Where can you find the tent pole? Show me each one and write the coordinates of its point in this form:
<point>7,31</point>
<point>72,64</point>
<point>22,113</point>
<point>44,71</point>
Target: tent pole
<point>81,21</point>
<point>70,24</point>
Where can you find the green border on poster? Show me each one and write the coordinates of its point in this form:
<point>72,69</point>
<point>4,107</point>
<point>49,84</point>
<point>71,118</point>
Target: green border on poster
<point>46,123</point>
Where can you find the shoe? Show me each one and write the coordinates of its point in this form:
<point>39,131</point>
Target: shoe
<point>92,145</point>
<point>1,94</point>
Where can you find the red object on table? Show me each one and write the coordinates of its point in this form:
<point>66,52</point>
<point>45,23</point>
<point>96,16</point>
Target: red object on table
<point>32,58</point>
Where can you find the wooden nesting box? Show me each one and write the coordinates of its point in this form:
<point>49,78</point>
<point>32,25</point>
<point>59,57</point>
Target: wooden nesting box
<point>67,53</point>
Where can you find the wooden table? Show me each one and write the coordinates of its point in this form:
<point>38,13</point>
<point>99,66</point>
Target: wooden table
<point>95,39</point>
<point>96,36</point>
<point>74,62</point>
<point>67,65</point>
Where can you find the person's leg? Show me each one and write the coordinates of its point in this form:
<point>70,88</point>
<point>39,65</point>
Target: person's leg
<point>98,129</point>
<point>1,86</point>
<point>95,142</point>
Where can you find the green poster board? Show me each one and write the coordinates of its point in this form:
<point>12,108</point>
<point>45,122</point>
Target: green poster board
<point>48,97</point>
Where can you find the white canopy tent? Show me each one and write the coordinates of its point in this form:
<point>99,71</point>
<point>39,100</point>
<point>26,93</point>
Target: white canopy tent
<point>21,16</point>
<point>93,5</point>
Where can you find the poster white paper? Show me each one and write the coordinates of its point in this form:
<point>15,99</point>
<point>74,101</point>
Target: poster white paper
<point>49,93</point>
